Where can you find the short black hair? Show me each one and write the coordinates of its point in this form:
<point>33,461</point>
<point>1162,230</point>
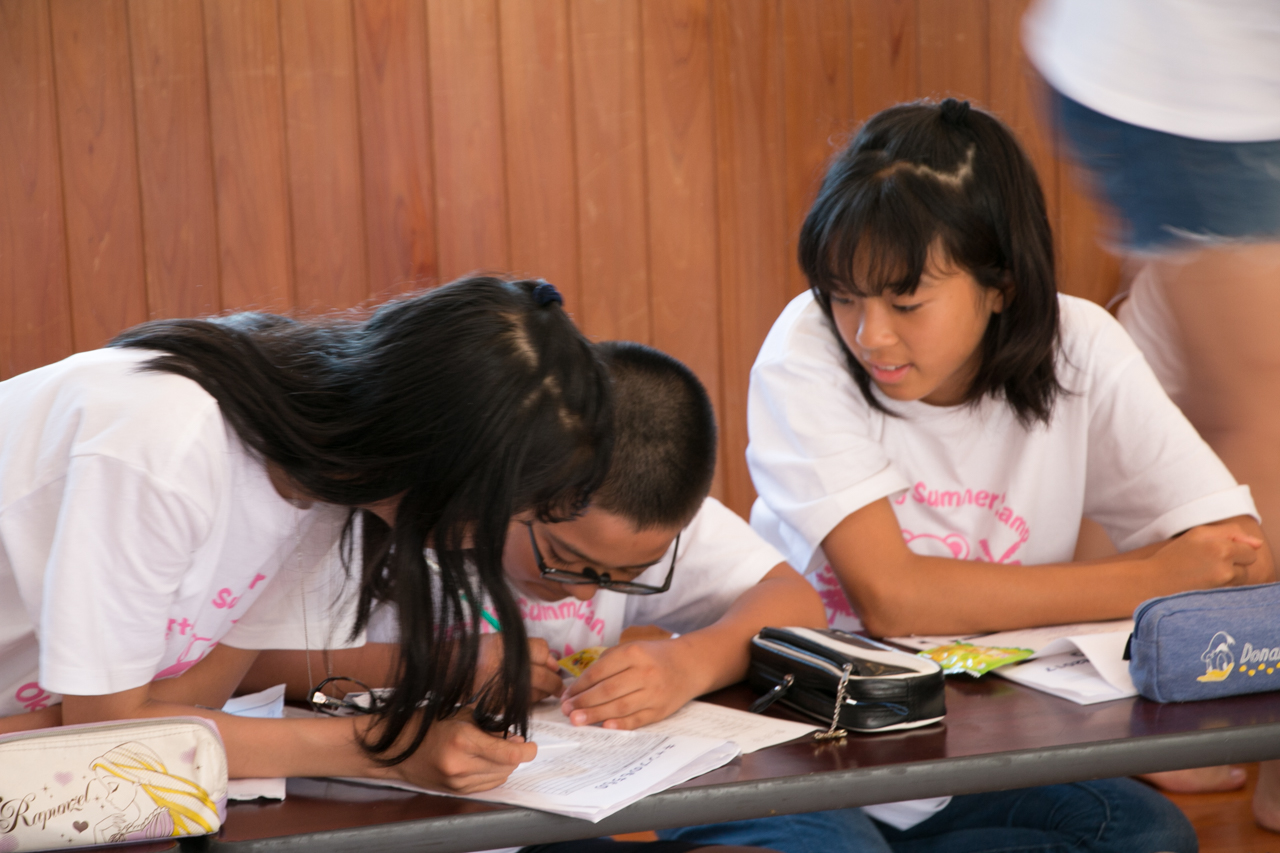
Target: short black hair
<point>664,445</point>
<point>926,173</point>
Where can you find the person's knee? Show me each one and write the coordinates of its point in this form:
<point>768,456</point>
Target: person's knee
<point>1140,819</point>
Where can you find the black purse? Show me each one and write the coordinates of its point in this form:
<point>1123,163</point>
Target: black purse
<point>846,680</point>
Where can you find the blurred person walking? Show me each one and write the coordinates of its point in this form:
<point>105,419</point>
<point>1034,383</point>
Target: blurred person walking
<point>1173,106</point>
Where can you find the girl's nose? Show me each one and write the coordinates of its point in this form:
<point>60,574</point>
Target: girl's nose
<point>875,326</point>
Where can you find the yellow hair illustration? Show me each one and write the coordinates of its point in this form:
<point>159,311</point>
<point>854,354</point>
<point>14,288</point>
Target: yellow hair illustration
<point>192,810</point>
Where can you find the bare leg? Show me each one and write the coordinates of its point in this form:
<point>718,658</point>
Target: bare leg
<point>1227,305</point>
<point>1266,798</point>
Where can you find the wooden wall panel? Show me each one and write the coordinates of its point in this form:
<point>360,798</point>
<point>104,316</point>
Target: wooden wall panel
<point>884,65</point>
<point>35,306</point>
<point>818,81</point>
<point>681,157</point>
<point>466,104</point>
<point>654,158</point>
<point>751,199</point>
<point>99,168</point>
<point>537,100</point>
<point>609,127</point>
<point>318,52</point>
<point>179,214</point>
<point>953,48</point>
<point>396,146</point>
<point>242,42</point>
<point>1017,94</point>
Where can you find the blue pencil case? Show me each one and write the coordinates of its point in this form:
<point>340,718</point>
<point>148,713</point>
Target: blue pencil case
<point>1207,644</point>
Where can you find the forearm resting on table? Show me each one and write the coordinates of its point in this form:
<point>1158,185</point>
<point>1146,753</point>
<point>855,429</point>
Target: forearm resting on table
<point>781,598</point>
<point>374,664</point>
<point>255,747</point>
<point>897,592</point>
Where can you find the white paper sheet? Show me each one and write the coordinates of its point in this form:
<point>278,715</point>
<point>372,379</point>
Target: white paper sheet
<point>751,732</point>
<point>267,704</point>
<point>1083,662</point>
<point>591,773</point>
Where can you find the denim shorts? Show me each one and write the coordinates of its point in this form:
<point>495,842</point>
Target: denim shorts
<point>1172,191</point>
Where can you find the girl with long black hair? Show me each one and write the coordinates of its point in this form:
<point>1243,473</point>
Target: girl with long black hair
<point>174,502</point>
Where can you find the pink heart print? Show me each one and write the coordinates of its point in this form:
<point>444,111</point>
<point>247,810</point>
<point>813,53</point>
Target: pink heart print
<point>63,778</point>
<point>80,825</point>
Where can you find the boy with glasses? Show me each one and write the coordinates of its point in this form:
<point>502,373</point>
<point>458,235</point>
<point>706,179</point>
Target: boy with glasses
<point>653,563</point>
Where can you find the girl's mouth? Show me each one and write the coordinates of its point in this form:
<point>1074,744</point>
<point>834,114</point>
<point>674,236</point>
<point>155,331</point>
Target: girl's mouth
<point>887,373</point>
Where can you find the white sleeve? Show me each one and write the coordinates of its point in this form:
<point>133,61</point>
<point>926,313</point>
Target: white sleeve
<point>815,453</point>
<point>720,558</point>
<point>312,601</point>
<point>1150,474</point>
<point>121,548</point>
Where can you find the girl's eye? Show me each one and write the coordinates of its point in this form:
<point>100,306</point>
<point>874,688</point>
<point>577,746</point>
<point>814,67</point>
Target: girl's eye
<point>837,299</point>
<point>906,308</point>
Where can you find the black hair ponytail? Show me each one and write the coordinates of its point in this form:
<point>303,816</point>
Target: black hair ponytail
<point>471,403</point>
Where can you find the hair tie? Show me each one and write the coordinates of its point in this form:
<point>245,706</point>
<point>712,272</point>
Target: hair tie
<point>954,112</point>
<point>545,293</point>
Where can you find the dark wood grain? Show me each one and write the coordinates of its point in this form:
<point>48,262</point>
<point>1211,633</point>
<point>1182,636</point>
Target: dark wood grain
<point>35,304</point>
<point>326,199</point>
<point>179,214</point>
<point>99,168</point>
<point>609,135</point>
<point>242,41</point>
<point>466,106</point>
<point>537,102</point>
<point>680,154</point>
<point>752,207</point>
<point>395,138</point>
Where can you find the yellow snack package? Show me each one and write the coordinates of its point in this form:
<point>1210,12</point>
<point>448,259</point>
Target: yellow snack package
<point>973,659</point>
<point>577,663</point>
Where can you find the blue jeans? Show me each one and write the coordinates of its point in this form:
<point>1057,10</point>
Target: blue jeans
<point>1107,816</point>
<point>1173,191</point>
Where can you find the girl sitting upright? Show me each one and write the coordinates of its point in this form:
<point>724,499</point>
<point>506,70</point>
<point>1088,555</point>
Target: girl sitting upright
<point>933,399</point>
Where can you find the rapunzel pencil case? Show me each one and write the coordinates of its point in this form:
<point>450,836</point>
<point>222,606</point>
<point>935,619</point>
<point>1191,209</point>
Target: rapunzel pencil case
<point>111,783</point>
<point>1207,644</point>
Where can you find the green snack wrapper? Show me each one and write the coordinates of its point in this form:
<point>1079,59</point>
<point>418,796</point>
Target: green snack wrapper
<point>973,659</point>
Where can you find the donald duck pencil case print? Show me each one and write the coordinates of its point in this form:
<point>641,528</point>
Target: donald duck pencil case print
<point>1207,644</point>
<point>111,783</point>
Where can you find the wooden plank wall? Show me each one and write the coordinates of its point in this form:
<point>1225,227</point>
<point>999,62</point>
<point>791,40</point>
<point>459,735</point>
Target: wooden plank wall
<point>653,158</point>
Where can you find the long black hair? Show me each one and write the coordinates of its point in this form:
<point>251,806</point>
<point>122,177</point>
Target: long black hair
<point>471,403</point>
<point>925,174</point>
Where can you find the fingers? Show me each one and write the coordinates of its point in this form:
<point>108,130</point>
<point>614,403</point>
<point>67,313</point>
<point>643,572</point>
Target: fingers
<point>459,757</point>
<point>545,684</point>
<point>540,655</point>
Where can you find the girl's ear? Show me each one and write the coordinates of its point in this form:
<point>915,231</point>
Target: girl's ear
<point>1003,294</point>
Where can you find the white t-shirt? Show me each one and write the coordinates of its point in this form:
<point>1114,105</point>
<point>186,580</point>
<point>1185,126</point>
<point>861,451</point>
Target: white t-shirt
<point>971,482</point>
<point>1207,69</point>
<point>137,532</point>
<point>720,558</point>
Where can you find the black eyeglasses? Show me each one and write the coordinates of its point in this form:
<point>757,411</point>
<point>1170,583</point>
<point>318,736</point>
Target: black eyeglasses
<point>600,579</point>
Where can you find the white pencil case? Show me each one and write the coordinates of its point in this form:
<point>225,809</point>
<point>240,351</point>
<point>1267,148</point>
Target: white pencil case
<point>111,783</point>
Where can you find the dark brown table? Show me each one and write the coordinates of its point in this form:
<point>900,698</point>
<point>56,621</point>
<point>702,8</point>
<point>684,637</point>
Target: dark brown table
<point>997,735</point>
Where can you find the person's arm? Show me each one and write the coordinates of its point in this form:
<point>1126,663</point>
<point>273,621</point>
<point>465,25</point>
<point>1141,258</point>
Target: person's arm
<point>456,756</point>
<point>640,682</point>
<point>897,592</point>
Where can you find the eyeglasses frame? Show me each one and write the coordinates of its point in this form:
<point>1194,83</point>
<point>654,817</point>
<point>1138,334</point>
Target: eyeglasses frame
<point>600,579</point>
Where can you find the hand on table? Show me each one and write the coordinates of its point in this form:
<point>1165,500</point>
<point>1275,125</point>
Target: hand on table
<point>458,757</point>
<point>1213,555</point>
<point>634,684</point>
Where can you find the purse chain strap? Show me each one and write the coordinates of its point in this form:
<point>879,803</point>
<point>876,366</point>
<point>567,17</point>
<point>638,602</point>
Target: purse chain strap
<point>834,733</point>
